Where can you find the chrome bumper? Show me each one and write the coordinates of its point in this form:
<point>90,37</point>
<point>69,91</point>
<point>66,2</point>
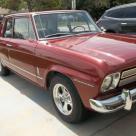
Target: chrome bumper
<point>122,101</point>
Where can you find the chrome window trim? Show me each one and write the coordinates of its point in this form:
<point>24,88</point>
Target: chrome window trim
<point>35,27</point>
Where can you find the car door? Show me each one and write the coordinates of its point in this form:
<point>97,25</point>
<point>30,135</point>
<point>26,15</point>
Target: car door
<point>22,48</point>
<point>128,25</point>
<point>7,34</point>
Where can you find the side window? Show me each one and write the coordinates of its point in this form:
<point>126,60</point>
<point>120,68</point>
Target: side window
<point>130,12</point>
<point>118,13</point>
<point>23,29</point>
<point>31,31</point>
<point>9,28</point>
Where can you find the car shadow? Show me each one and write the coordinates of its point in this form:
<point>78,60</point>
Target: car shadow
<point>95,125</point>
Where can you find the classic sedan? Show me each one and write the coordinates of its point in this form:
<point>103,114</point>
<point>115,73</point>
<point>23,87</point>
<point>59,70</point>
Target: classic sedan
<point>66,53</point>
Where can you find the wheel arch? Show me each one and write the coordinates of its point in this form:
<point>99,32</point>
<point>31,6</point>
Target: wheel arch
<point>52,74</point>
<point>57,70</point>
<point>110,31</point>
<point>84,90</point>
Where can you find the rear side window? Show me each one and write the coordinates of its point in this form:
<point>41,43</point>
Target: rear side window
<point>118,13</point>
<point>130,12</point>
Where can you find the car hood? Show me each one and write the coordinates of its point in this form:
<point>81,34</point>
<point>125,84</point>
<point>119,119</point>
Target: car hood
<point>115,50</point>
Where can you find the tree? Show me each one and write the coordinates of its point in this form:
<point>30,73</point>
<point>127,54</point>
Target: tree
<point>29,4</point>
<point>32,5</point>
<point>95,7</point>
<point>10,4</point>
<point>44,4</point>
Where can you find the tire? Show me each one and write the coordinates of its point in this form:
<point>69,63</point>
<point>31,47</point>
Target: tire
<point>110,31</point>
<point>3,70</point>
<point>63,93</point>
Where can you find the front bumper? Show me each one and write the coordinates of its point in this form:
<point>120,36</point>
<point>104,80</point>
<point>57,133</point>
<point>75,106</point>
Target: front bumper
<point>122,101</point>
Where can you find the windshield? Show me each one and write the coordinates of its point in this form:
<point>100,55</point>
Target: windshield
<point>61,24</point>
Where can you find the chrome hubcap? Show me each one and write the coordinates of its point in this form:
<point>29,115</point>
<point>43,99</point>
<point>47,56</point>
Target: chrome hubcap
<point>62,99</point>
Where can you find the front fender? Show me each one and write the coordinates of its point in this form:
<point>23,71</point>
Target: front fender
<point>86,85</point>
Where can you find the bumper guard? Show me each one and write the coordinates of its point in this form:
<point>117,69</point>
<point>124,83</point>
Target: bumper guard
<point>122,101</point>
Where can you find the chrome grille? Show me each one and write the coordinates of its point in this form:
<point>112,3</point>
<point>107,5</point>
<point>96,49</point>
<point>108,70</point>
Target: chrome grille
<point>127,80</point>
<point>128,73</point>
<point>127,77</point>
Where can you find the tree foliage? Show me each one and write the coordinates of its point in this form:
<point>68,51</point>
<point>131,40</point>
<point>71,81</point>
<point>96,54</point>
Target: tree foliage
<point>44,4</point>
<point>10,4</point>
<point>95,7</point>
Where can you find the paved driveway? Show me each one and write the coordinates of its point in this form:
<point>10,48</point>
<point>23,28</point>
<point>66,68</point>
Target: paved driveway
<point>26,110</point>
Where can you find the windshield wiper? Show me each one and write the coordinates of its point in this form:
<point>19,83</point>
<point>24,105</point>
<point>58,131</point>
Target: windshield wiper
<point>57,34</point>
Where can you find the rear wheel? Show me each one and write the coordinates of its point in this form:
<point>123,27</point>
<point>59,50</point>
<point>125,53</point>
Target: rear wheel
<point>66,100</point>
<point>3,70</point>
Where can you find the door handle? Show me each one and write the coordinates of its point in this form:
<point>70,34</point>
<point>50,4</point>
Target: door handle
<point>9,45</point>
<point>124,23</point>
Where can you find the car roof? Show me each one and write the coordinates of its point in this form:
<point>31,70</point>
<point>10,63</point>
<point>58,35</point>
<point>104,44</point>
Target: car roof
<point>43,12</point>
<point>122,6</point>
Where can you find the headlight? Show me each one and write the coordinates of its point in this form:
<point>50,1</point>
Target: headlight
<point>110,82</point>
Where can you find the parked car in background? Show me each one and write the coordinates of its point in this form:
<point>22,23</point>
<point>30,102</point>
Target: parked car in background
<point>67,54</point>
<point>120,19</point>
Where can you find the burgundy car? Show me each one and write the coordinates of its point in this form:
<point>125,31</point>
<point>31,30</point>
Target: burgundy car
<point>66,53</point>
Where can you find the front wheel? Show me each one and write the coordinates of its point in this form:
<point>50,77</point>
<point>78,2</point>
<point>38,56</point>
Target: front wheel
<point>66,100</point>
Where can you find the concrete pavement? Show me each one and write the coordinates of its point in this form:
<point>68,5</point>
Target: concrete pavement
<point>26,110</point>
